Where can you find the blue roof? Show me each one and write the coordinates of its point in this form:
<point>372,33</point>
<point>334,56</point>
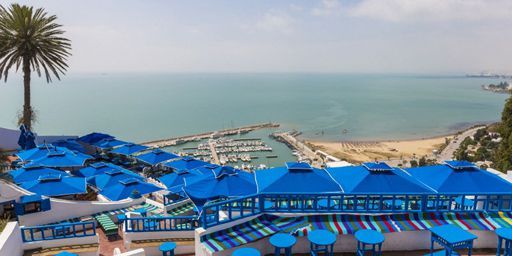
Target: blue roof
<point>38,152</point>
<point>185,163</point>
<point>33,173</point>
<point>377,166</point>
<point>111,177</point>
<point>177,178</point>
<point>58,158</point>
<point>296,179</point>
<point>97,169</point>
<point>447,180</point>
<point>109,143</point>
<point>128,149</point>
<point>94,137</point>
<point>456,164</point>
<point>124,188</point>
<point>367,179</point>
<point>71,144</point>
<point>56,185</point>
<point>207,187</point>
<point>155,156</point>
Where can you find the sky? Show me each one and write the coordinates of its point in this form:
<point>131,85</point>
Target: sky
<point>348,36</point>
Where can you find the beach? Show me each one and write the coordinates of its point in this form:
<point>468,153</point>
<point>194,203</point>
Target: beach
<point>363,151</point>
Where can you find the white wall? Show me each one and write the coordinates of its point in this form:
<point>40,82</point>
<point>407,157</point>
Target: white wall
<point>399,241</point>
<point>9,191</point>
<point>65,209</point>
<point>62,242</point>
<point>10,240</point>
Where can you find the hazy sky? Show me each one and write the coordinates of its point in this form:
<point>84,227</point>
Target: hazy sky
<point>425,36</point>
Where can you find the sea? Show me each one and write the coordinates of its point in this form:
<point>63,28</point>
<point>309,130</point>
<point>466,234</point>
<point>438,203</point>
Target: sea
<point>329,107</point>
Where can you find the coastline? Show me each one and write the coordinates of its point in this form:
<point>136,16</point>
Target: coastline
<point>357,151</point>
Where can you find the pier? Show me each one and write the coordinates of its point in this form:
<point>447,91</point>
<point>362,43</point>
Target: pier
<point>226,132</point>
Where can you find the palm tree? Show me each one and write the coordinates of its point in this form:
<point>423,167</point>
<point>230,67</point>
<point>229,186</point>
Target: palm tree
<point>31,40</point>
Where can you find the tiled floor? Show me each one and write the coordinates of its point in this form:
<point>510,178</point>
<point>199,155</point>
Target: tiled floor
<point>107,246</point>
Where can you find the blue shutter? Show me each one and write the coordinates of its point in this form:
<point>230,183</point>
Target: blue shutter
<point>46,205</point>
<point>19,209</point>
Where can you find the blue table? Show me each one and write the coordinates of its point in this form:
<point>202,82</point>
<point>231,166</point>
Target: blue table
<point>64,253</point>
<point>321,241</point>
<point>121,218</point>
<point>167,248</point>
<point>504,234</point>
<point>369,241</point>
<point>324,203</point>
<point>246,252</point>
<point>283,241</point>
<point>451,238</point>
<point>142,211</point>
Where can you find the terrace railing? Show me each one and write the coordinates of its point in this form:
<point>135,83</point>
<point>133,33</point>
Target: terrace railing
<point>234,209</point>
<point>58,231</point>
<point>158,224</point>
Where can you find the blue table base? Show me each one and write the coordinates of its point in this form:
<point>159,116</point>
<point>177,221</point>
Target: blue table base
<point>316,249</point>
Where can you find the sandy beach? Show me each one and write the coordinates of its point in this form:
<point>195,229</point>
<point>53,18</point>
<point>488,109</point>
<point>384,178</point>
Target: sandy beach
<point>361,151</point>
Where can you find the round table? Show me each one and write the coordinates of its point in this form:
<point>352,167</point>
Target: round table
<point>372,238</point>
<point>246,252</point>
<point>121,218</point>
<point>504,234</point>
<point>167,248</point>
<point>322,240</point>
<point>283,241</point>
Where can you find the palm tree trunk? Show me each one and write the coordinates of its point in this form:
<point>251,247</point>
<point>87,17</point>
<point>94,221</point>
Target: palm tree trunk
<point>27,109</point>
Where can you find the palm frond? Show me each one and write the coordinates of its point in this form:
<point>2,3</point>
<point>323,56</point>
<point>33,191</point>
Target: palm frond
<point>32,36</point>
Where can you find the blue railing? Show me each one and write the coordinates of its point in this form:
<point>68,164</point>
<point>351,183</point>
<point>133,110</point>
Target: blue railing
<point>157,224</point>
<point>235,209</point>
<point>58,231</point>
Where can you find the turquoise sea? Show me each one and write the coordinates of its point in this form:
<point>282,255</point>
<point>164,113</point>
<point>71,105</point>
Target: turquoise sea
<point>140,107</point>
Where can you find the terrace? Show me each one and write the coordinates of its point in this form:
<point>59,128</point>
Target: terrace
<point>213,210</point>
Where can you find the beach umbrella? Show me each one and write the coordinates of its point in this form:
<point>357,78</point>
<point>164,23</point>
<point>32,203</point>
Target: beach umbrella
<point>94,137</point>
<point>22,138</point>
<point>71,144</point>
<point>128,149</point>
<point>33,173</point>
<point>377,178</point>
<point>223,182</point>
<point>61,159</point>
<point>295,178</point>
<point>98,169</point>
<point>460,177</point>
<point>155,157</point>
<point>109,143</point>
<point>185,163</point>
<point>111,177</point>
<point>56,185</point>
<point>27,138</point>
<point>125,188</point>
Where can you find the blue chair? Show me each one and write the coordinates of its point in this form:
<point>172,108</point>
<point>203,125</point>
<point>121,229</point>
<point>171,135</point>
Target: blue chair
<point>321,241</point>
<point>369,241</point>
<point>282,241</point>
<point>504,234</point>
<point>167,248</point>
<point>246,252</point>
